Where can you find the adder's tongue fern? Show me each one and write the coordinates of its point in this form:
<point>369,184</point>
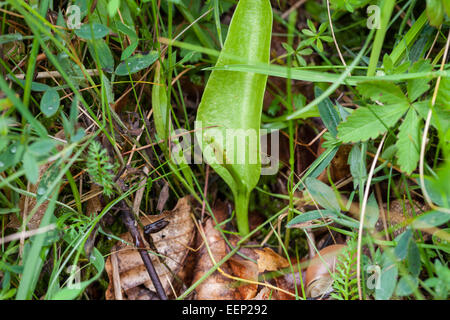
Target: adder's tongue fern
<point>232,102</point>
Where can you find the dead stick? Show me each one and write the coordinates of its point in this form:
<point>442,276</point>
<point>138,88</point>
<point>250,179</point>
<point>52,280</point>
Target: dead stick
<point>130,223</point>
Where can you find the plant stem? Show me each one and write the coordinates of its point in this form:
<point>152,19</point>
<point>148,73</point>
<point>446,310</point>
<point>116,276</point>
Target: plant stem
<point>387,7</point>
<point>241,199</point>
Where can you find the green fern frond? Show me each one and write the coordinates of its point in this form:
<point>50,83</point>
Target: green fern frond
<point>345,282</point>
<point>100,168</point>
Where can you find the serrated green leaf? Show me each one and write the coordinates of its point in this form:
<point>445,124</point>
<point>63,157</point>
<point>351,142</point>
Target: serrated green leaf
<point>383,91</point>
<point>98,31</point>
<point>417,87</point>
<point>31,167</point>
<point>408,142</point>
<point>363,124</point>
<point>136,63</point>
<point>443,96</point>
<point>50,102</point>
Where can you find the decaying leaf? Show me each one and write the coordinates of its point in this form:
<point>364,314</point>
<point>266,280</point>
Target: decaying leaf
<point>245,269</point>
<point>240,277</point>
<point>270,261</point>
<point>172,245</point>
<point>216,286</point>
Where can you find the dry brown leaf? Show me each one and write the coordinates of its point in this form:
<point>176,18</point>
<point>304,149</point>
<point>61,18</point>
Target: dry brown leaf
<point>216,286</point>
<point>27,204</point>
<point>172,244</point>
<point>263,294</point>
<point>270,261</point>
<point>245,269</point>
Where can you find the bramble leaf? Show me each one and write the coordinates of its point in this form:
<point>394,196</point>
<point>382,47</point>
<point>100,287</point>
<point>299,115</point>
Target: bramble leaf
<point>408,142</point>
<point>383,91</point>
<point>364,123</point>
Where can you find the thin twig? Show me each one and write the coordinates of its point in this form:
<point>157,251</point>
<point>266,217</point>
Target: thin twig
<point>53,74</point>
<point>26,234</point>
<point>332,33</point>
<point>363,212</point>
<point>297,5</point>
<point>130,223</point>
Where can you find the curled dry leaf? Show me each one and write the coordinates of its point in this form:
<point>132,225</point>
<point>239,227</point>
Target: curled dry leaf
<point>216,286</point>
<point>27,204</point>
<point>268,260</point>
<point>172,244</point>
<point>226,285</point>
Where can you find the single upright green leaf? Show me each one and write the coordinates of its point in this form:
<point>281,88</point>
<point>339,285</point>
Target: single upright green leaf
<point>50,102</point>
<point>232,103</point>
<point>92,31</point>
<point>136,63</point>
<point>364,123</point>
